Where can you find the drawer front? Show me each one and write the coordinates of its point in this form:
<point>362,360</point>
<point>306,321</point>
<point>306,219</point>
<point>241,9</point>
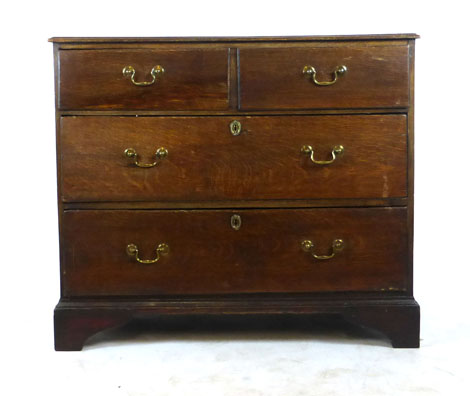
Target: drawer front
<point>274,78</point>
<point>193,79</point>
<point>207,255</point>
<point>206,161</point>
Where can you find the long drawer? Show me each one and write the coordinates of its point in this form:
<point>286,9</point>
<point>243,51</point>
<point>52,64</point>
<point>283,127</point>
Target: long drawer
<point>208,159</point>
<point>226,251</point>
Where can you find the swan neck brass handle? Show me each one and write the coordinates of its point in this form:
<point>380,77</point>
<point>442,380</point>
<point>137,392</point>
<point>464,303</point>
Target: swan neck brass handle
<point>336,151</point>
<point>310,71</point>
<point>336,247</point>
<point>161,153</point>
<point>129,72</point>
<point>161,250</point>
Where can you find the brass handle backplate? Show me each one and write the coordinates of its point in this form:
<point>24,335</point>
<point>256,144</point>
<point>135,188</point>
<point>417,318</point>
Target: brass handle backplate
<point>129,72</point>
<point>161,153</point>
<point>310,71</point>
<point>162,249</point>
<point>337,150</point>
<point>336,246</point>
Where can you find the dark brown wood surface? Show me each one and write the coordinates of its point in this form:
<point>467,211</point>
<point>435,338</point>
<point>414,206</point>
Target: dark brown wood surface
<point>206,162</point>
<point>274,203</point>
<point>211,268</point>
<point>411,171</point>
<point>259,39</point>
<point>272,78</point>
<point>207,256</point>
<point>194,79</point>
<point>76,320</point>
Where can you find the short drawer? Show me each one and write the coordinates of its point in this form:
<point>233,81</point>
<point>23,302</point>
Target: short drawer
<point>366,76</point>
<point>185,79</point>
<point>211,252</point>
<point>354,156</point>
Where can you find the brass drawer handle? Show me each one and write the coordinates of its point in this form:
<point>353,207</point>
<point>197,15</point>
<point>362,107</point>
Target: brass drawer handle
<point>310,70</point>
<point>161,153</point>
<point>336,246</point>
<point>162,249</point>
<point>129,72</point>
<point>337,150</point>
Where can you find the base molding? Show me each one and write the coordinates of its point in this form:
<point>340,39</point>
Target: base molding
<point>75,320</point>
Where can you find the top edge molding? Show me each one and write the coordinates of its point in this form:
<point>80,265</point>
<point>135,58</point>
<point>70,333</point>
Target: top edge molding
<point>104,40</point>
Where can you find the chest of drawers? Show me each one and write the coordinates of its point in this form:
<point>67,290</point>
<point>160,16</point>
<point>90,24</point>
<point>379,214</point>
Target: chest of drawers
<point>235,176</point>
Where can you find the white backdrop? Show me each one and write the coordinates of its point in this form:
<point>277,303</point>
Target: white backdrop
<point>320,365</point>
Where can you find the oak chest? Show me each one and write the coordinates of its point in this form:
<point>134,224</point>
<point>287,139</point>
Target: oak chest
<point>235,176</point>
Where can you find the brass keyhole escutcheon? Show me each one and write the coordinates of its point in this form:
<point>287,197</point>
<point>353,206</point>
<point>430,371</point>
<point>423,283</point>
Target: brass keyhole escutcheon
<point>236,222</point>
<point>235,128</point>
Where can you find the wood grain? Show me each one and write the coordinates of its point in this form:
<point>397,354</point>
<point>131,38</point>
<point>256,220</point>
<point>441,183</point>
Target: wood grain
<point>76,320</point>
<point>273,79</point>
<point>232,112</point>
<point>206,162</point>
<point>106,203</point>
<point>183,39</point>
<point>207,256</point>
<point>272,203</point>
<point>194,79</point>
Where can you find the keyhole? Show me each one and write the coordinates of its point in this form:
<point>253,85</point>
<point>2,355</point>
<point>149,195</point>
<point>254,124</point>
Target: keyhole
<point>236,222</point>
<point>235,127</point>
